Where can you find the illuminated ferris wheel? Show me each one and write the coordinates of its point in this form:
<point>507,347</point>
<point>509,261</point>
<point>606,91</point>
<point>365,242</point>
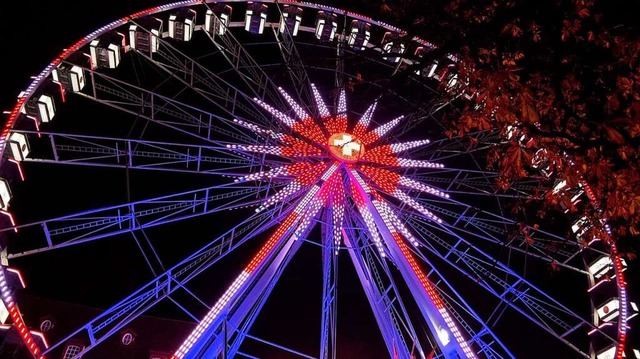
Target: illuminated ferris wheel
<point>188,156</point>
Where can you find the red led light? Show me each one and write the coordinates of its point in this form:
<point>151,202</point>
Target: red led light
<point>386,180</point>
<point>309,129</point>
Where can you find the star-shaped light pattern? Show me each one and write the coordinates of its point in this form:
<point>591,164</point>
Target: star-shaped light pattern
<point>325,162</point>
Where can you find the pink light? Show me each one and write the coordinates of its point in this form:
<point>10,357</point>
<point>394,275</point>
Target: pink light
<point>41,336</point>
<point>13,221</point>
<point>17,163</point>
<point>19,274</point>
<point>604,280</point>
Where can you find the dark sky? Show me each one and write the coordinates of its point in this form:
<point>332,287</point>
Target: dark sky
<point>40,32</point>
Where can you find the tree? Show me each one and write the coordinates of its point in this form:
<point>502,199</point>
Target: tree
<point>559,80</point>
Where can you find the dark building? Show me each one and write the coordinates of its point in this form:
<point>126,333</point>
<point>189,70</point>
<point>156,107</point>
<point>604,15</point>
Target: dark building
<point>145,338</point>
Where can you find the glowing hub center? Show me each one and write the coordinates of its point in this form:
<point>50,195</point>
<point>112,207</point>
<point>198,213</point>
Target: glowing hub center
<point>345,147</point>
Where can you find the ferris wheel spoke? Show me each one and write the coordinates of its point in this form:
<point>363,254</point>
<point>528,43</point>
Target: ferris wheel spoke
<point>148,251</point>
<point>243,314</point>
<point>240,303</point>
<point>507,286</point>
<point>330,245</point>
<point>195,76</point>
<point>456,147</point>
<point>157,108</point>
<point>100,151</point>
<point>474,183</point>
<point>291,56</point>
<point>479,332</point>
<point>248,69</point>
<point>499,232</point>
<point>492,225</point>
<point>389,311</point>
<point>96,224</point>
<point>112,320</point>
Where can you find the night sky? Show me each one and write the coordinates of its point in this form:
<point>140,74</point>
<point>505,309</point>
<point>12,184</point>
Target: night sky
<point>37,33</point>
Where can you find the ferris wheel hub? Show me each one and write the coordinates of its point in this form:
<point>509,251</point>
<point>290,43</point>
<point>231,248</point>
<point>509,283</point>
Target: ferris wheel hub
<point>346,147</point>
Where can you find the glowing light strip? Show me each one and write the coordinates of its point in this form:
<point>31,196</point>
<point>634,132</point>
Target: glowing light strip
<point>402,196</point>
<point>434,297</point>
<point>366,215</point>
<point>371,226</point>
<point>411,183</point>
<point>259,130</point>
<point>19,165</point>
<point>363,123</point>
<point>401,147</point>
<point>360,182</point>
<point>19,274</point>
<point>622,298</point>
<point>337,214</point>
<point>620,282</point>
<point>342,103</point>
<point>211,315</point>
<point>386,180</point>
<point>314,207</point>
<point>286,170</point>
<point>274,172</point>
<point>16,317</point>
<point>407,162</point>
<point>322,108</point>
<point>309,129</point>
<point>271,150</point>
<point>318,200</point>
<point>11,219</point>
<point>392,221</point>
<point>288,191</point>
<point>300,112</point>
<point>383,129</point>
<point>276,113</point>
<point>255,262</point>
<point>340,122</point>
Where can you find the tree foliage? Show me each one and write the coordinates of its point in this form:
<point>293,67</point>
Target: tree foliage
<point>560,80</point>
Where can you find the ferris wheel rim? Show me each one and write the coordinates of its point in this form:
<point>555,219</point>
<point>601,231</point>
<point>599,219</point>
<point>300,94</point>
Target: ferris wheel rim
<point>15,113</point>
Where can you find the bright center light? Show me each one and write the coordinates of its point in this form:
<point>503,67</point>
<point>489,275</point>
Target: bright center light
<point>346,147</point>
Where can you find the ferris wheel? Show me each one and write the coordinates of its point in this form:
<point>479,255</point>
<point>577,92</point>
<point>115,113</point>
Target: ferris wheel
<point>248,165</point>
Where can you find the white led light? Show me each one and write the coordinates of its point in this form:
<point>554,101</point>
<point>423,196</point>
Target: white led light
<point>322,107</point>
<point>404,146</point>
<point>277,114</point>
<point>383,129</point>
<point>407,162</point>
<point>366,117</point>
<point>300,112</point>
